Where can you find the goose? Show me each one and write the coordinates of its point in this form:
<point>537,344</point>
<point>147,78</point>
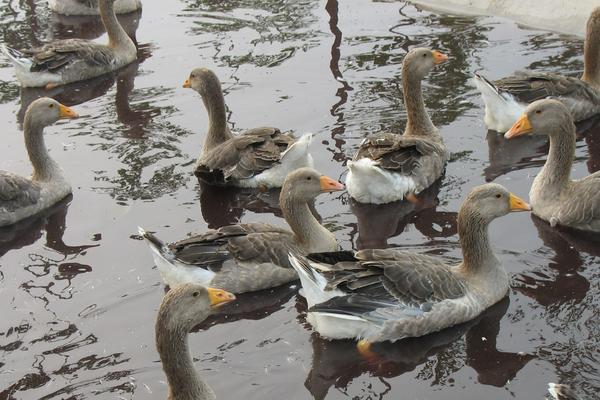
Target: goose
<point>377,295</point>
<point>71,60</point>
<point>180,310</point>
<point>259,157</point>
<point>389,167</point>
<point>554,197</point>
<point>248,257</point>
<point>506,99</point>
<point>90,7</point>
<point>22,197</point>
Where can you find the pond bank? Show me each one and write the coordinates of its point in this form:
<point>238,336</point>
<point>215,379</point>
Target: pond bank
<point>565,16</point>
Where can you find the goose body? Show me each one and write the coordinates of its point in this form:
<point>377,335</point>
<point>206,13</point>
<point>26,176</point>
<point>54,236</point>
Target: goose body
<point>248,257</point>
<point>506,99</point>
<point>387,166</point>
<point>22,197</point>
<point>380,295</point>
<point>90,7</point>
<point>181,309</point>
<point>259,157</point>
<point>71,60</point>
<point>554,196</point>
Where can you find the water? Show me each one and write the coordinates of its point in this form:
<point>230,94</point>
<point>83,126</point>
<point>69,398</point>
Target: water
<point>77,287</point>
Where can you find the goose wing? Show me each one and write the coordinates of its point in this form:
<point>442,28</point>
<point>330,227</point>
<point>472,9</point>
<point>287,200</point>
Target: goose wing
<point>55,56</point>
<point>399,153</point>
<point>380,284</point>
<point>528,87</point>
<point>583,205</point>
<point>257,242</point>
<point>246,155</point>
<point>17,192</point>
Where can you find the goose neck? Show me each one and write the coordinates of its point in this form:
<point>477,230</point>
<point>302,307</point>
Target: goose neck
<point>418,121</point>
<point>44,167</point>
<point>556,171</point>
<point>474,241</point>
<point>591,58</point>
<point>117,37</point>
<point>218,132</point>
<point>309,233</point>
<point>184,382</point>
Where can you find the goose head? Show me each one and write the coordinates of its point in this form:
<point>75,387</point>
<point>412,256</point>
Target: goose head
<point>420,61</point>
<point>492,200</point>
<point>542,117</point>
<point>188,305</point>
<point>203,81</point>
<point>304,184</point>
<point>46,111</point>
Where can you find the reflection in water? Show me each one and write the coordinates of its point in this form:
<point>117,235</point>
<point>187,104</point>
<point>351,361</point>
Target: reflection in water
<point>379,222</point>
<point>338,363</point>
<point>28,231</point>
<point>90,26</point>
<point>565,283</point>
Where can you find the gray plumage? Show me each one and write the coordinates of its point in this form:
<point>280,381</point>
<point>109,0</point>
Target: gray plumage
<point>90,7</point>
<point>181,309</point>
<point>22,197</point>
<point>255,157</point>
<point>390,294</point>
<point>247,257</point>
<point>64,61</point>
<point>554,196</point>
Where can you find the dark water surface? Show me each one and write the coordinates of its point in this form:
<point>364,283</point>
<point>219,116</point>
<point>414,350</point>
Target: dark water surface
<point>78,290</point>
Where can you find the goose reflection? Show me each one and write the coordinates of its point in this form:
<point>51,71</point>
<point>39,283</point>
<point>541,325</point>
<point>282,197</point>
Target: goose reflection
<point>28,231</point>
<point>379,222</point>
<point>565,283</point>
<point>338,363</point>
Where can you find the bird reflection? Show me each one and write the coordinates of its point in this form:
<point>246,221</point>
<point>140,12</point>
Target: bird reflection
<point>338,363</point>
<point>566,283</point>
<point>379,222</point>
<point>530,151</point>
<point>28,231</point>
<point>252,306</point>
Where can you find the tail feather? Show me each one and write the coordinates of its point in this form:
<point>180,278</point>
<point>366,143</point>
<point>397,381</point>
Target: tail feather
<point>303,268</point>
<point>501,108</point>
<point>298,148</point>
<point>16,57</point>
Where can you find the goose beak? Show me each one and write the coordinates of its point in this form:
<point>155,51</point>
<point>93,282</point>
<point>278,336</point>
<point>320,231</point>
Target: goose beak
<point>219,297</point>
<point>330,185</point>
<point>518,204</point>
<point>438,57</point>
<point>187,84</point>
<point>521,127</point>
<point>66,112</point>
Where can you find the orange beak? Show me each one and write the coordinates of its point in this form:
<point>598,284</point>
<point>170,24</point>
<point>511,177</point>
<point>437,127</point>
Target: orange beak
<point>330,185</point>
<point>66,112</point>
<point>219,297</point>
<point>187,84</point>
<point>521,127</point>
<point>438,57</point>
<point>518,204</point>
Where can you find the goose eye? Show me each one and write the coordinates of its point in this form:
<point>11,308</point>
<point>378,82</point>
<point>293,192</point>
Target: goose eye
<point>309,178</point>
<point>195,294</point>
<point>538,111</point>
<point>498,195</point>
<point>424,54</point>
<point>50,105</point>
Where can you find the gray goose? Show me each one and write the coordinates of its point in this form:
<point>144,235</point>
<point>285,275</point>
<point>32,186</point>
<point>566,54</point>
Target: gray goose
<point>259,157</point>
<point>389,167</point>
<point>554,196</point>
<point>22,197</point>
<point>90,7</point>
<point>506,99</point>
<point>71,60</point>
<point>181,309</point>
<point>388,294</point>
<point>248,257</point>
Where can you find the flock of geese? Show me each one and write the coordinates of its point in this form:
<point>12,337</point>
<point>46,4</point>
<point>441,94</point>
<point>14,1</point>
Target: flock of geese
<point>371,295</point>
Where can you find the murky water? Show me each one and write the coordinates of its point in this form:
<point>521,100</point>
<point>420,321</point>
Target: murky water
<point>77,287</point>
